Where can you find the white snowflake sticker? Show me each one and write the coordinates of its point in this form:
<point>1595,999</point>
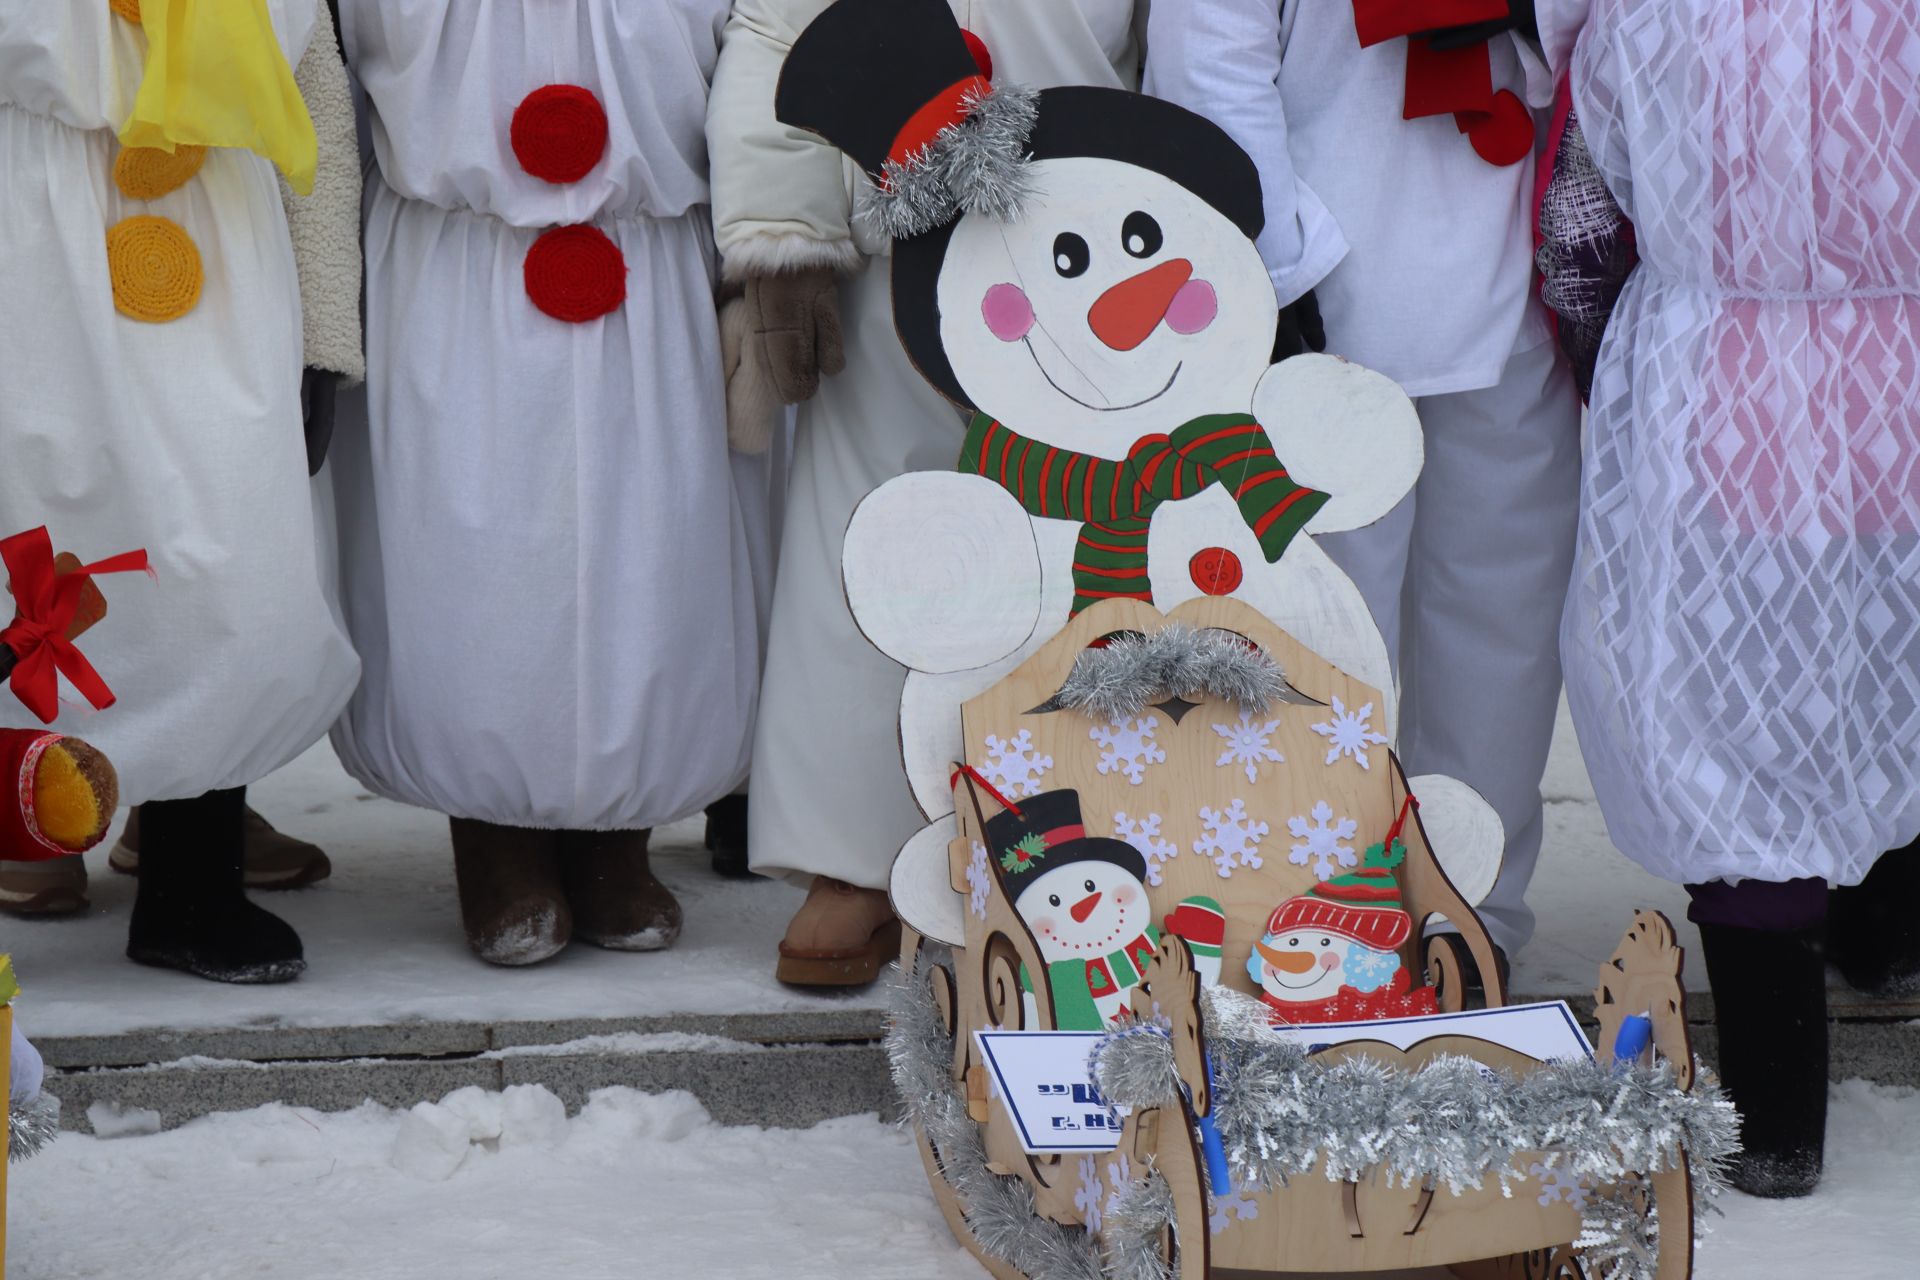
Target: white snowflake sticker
<point>1144,835</point>
<point>1088,1199</point>
<point>1231,838</point>
<point>1349,733</point>
<point>1561,1183</point>
<point>979,880</point>
<point>1014,766</point>
<point>1120,1175</point>
<point>1248,744</point>
<point>1323,841</point>
<point>1228,1210</point>
<point>1127,746</point>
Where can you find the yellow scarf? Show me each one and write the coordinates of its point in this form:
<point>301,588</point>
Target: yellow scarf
<point>216,77</point>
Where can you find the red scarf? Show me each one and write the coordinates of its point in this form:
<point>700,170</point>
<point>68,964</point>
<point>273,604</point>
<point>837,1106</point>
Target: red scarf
<point>1452,81</point>
<point>1347,1005</point>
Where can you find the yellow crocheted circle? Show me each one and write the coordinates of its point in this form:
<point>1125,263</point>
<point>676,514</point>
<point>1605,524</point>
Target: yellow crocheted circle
<point>147,173</point>
<point>128,9</point>
<point>155,269</point>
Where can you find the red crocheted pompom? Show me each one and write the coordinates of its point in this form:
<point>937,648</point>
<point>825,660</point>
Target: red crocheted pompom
<point>982,57</point>
<point>576,274</point>
<point>559,133</point>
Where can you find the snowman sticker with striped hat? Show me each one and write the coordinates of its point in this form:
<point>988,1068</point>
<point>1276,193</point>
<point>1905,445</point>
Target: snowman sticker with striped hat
<point>1331,954</point>
<point>1084,899</point>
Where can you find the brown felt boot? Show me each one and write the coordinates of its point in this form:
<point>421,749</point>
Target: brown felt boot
<point>51,887</point>
<point>272,859</point>
<point>617,901</point>
<point>840,937</point>
<point>512,902</point>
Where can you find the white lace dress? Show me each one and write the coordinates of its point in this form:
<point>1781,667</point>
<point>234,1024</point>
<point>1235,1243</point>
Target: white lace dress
<point>1742,642</point>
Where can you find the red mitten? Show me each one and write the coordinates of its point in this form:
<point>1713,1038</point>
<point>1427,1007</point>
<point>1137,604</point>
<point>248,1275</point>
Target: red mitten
<point>60,795</point>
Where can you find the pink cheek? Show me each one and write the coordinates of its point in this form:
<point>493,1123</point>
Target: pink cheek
<point>1329,961</point>
<point>1125,894</point>
<point>1008,313</point>
<point>1044,925</point>
<point>1193,308</point>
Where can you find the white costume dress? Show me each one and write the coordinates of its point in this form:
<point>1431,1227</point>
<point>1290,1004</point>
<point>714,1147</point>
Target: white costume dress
<point>543,557</point>
<point>1434,288</point>
<point>1743,659</point>
<point>830,796</point>
<point>181,437</point>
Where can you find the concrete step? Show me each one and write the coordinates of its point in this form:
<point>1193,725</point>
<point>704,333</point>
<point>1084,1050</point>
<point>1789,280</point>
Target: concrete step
<point>785,1070</point>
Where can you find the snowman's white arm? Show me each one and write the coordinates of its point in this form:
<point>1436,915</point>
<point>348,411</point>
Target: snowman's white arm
<point>1221,58</point>
<point>942,572</point>
<point>1345,430</point>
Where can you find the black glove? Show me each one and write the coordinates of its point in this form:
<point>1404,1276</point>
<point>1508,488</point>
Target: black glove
<point>1300,329</point>
<point>1520,17</point>
<point>319,389</point>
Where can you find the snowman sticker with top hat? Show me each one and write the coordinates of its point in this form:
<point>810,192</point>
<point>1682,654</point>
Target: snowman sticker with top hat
<point>1084,899</point>
<point>1076,269</point>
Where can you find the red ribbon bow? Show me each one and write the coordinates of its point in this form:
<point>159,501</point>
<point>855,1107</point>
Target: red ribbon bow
<point>1456,81</point>
<point>46,601</point>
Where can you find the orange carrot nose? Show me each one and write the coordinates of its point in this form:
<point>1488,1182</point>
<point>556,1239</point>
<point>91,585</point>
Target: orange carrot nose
<point>1285,961</point>
<point>1084,908</point>
<point>1126,314</point>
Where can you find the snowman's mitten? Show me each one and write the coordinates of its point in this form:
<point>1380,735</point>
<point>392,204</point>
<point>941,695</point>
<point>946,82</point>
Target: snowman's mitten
<point>1300,329</point>
<point>795,319</point>
<point>753,406</point>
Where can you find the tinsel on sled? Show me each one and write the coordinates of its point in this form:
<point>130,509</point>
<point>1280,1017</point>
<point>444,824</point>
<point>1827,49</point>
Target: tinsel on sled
<point>1280,1114</point>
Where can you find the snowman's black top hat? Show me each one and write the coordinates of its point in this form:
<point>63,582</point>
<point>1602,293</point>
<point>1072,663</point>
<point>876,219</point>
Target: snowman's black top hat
<point>1047,832</point>
<point>894,84</point>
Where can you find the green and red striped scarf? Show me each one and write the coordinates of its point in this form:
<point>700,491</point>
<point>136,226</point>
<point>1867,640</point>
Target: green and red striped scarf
<point>1115,501</point>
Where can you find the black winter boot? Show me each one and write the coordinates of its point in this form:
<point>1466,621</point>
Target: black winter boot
<point>1873,928</point>
<point>191,913</point>
<point>1770,1007</point>
<point>727,837</point>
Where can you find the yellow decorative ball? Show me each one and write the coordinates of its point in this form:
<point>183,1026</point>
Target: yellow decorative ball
<point>155,269</point>
<point>147,173</point>
<point>128,9</point>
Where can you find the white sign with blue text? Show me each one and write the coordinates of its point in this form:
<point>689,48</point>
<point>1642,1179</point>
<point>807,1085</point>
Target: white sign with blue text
<point>1042,1078</point>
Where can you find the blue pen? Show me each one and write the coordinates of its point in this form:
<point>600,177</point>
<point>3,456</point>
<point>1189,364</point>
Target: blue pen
<point>1210,1145</point>
<point>1635,1034</point>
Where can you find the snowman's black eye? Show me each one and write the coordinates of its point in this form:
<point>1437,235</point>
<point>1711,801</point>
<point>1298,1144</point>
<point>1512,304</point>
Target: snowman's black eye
<point>1089,885</point>
<point>1293,942</point>
<point>1070,254</point>
<point>1054,898</point>
<point>1326,942</point>
<point>1140,235</point>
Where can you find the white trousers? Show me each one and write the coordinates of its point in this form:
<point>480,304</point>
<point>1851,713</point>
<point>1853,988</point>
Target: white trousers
<point>1466,578</point>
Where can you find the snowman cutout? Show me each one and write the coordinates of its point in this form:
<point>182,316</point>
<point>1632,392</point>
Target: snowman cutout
<point>1076,270</point>
<point>1084,899</point>
<point>1331,954</point>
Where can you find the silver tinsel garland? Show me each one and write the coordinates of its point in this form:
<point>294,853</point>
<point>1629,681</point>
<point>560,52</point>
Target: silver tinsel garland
<point>1134,671</point>
<point>1451,1124</point>
<point>31,1125</point>
<point>976,166</point>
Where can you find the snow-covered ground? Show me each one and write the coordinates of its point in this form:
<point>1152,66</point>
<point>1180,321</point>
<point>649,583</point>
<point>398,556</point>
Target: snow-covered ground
<point>636,1187</point>
<point>384,944</point>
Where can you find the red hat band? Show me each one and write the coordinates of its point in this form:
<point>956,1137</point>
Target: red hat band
<point>1382,928</point>
<point>943,111</point>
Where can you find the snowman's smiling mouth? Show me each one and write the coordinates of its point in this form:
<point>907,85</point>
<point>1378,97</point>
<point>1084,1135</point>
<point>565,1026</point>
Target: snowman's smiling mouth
<point>1098,408</point>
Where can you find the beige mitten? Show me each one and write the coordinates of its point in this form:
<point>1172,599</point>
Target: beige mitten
<point>794,318</point>
<point>753,406</point>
